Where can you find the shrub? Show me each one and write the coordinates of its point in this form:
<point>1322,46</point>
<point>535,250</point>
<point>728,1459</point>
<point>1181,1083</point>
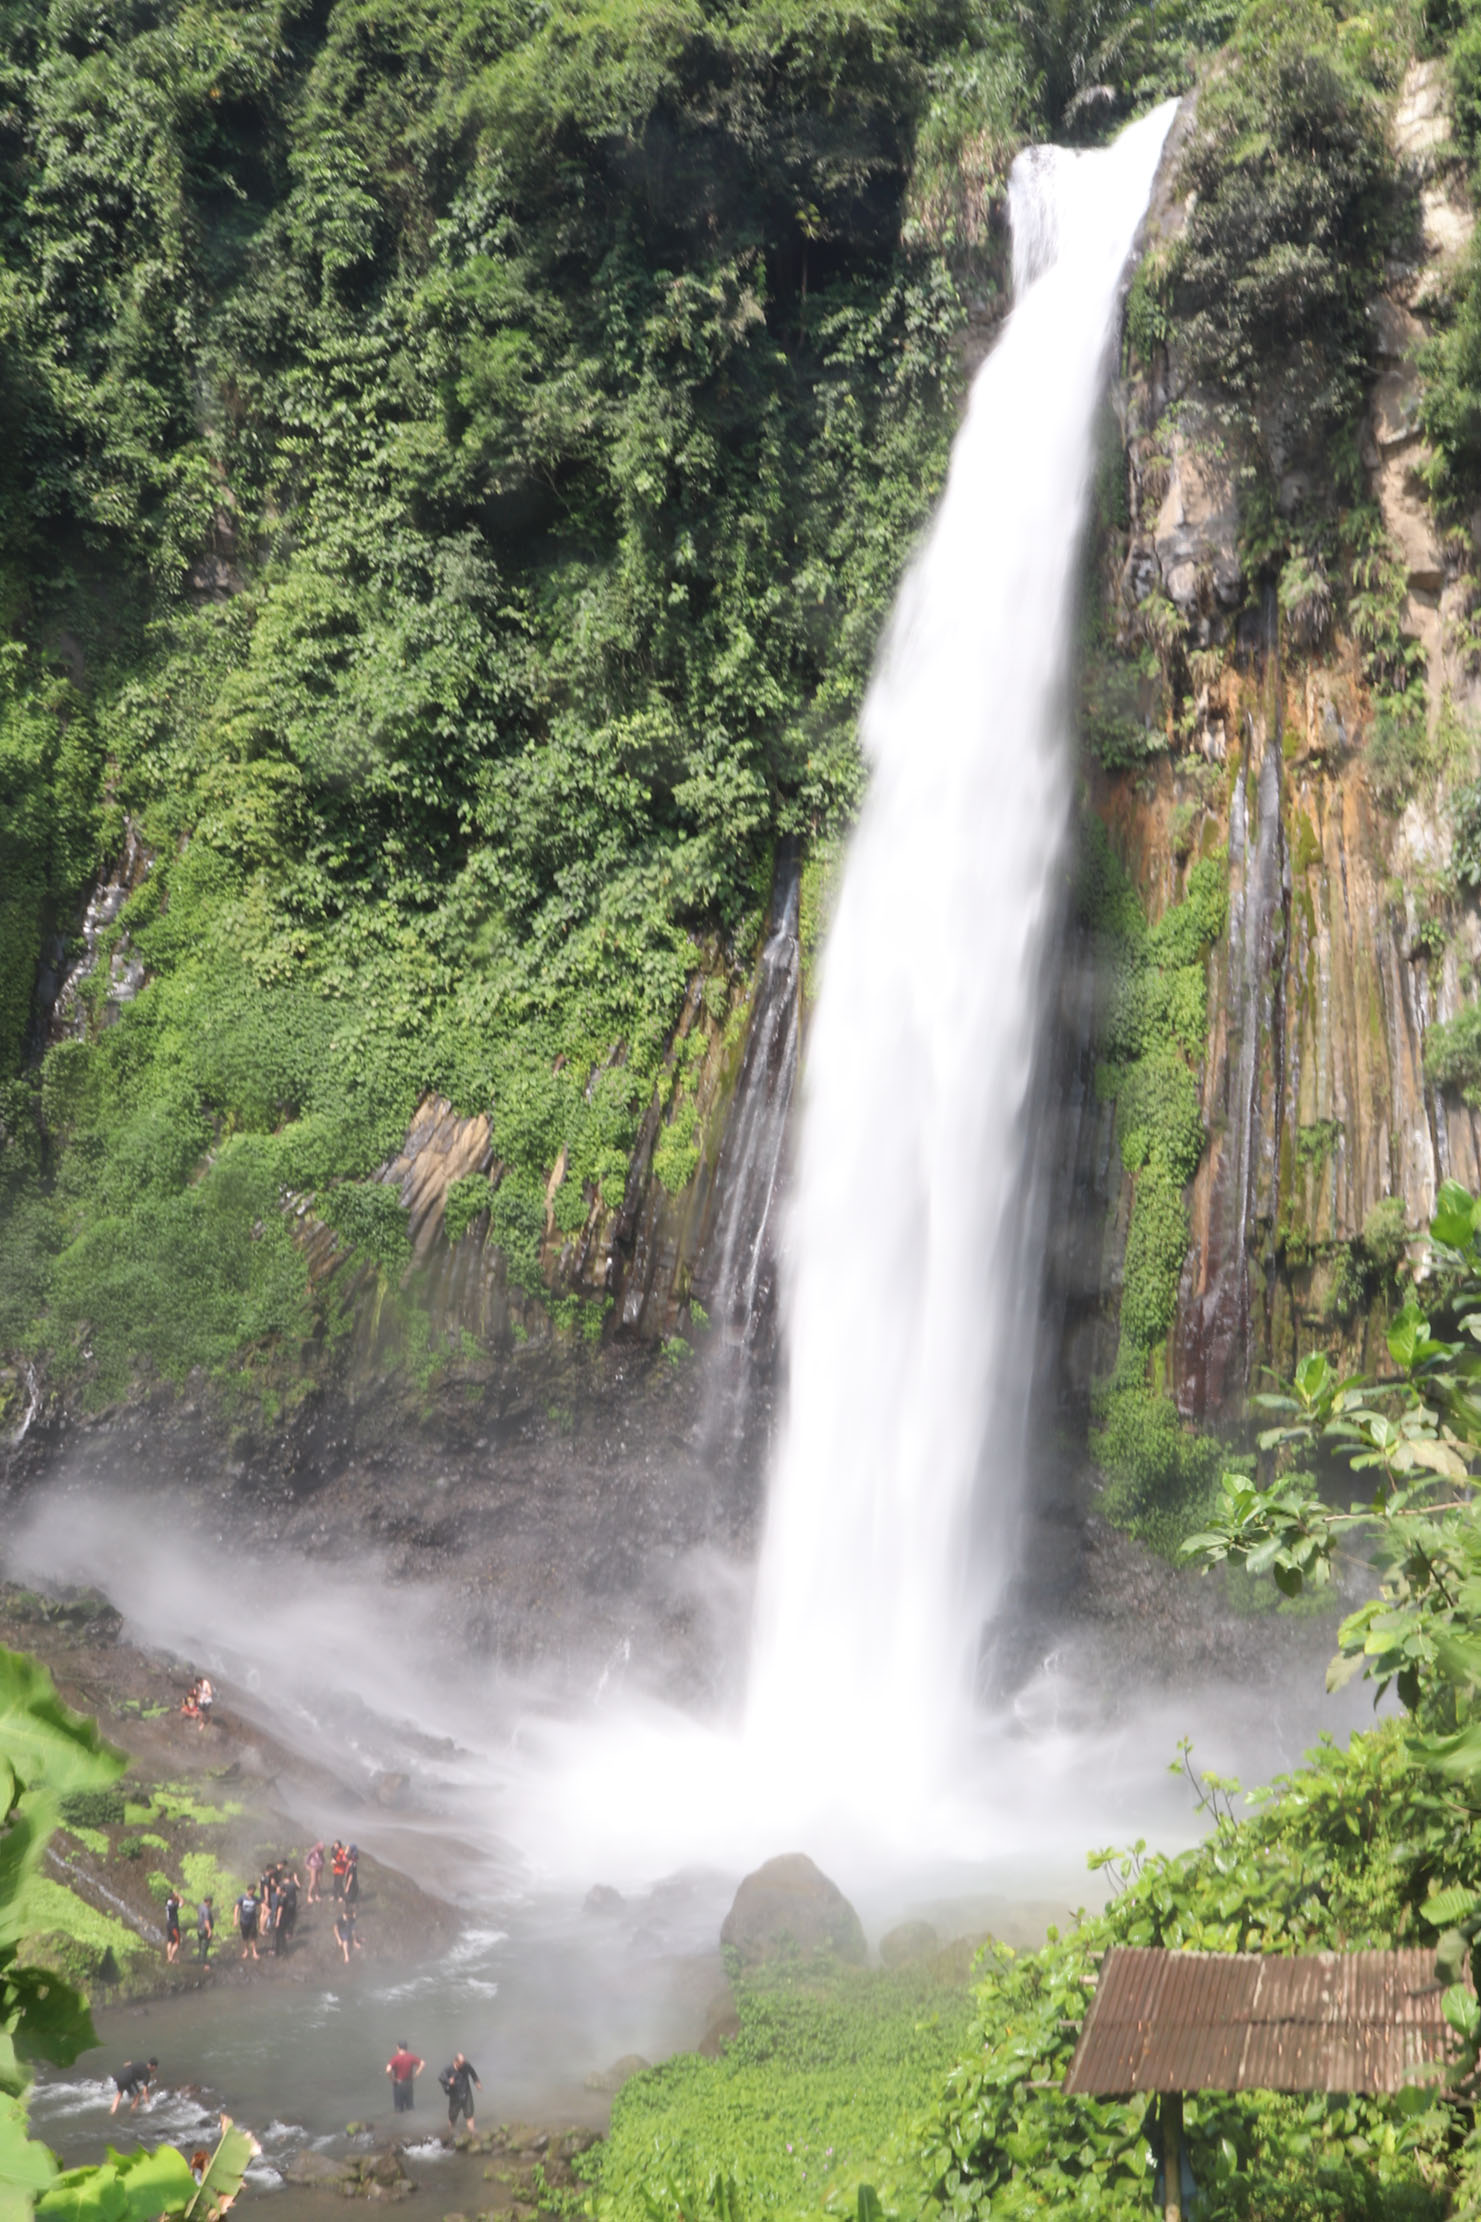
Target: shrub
<point>1452,1054</point>
<point>93,1809</point>
<point>467,1199</point>
<point>1385,1234</point>
<point>371,1217</point>
<point>1305,595</point>
<point>1290,164</point>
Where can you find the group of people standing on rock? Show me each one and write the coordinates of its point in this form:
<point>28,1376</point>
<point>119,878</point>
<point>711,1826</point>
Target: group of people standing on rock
<point>344,1885</point>
<point>266,1913</point>
<point>268,1910</point>
<point>459,2080</point>
<point>205,1925</point>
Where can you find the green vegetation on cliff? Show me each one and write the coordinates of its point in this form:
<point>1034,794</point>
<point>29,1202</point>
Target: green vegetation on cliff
<point>460,466</point>
<point>456,464</point>
<point>1151,1043</point>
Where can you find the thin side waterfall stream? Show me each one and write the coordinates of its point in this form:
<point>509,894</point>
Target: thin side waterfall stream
<point>907,1293</point>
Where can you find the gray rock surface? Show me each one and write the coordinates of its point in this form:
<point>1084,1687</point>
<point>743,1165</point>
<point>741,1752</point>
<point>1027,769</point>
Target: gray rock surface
<point>788,1907</point>
<point>613,2078</point>
<point>317,2170</point>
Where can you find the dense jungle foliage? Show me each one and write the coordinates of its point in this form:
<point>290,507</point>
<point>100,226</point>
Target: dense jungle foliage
<point>455,463</point>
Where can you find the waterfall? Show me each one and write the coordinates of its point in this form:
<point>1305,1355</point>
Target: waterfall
<point>907,1298</point>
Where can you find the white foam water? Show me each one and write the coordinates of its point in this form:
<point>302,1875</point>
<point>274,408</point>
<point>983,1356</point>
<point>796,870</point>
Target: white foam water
<point>896,1489</point>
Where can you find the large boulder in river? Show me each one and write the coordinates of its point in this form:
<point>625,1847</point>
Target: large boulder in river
<point>788,1909</point>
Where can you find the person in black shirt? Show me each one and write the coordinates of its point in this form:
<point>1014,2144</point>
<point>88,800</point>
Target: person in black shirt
<point>172,1925</point>
<point>133,2080</point>
<point>458,2081</point>
<point>287,1911</point>
<point>248,1908</point>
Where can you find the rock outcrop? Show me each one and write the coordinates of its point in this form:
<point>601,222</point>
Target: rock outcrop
<point>789,1909</point>
<point>1325,1138</point>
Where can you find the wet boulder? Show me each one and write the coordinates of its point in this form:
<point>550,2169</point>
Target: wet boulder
<point>319,2171</point>
<point>788,1909</point>
<point>613,2078</point>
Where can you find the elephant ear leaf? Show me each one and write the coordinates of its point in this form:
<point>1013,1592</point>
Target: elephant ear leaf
<point>126,2187</point>
<point>46,1745</point>
<point>55,2023</point>
<point>26,2167</point>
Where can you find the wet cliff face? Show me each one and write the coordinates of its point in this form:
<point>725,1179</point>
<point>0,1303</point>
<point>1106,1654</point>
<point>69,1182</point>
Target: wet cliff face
<point>1345,943</point>
<point>576,1465</point>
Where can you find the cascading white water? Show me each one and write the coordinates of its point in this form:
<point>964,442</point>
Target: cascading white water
<point>907,1301</point>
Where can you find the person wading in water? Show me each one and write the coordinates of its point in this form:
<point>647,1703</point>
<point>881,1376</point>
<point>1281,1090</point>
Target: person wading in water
<point>133,2080</point>
<point>403,2068</point>
<point>458,2081</point>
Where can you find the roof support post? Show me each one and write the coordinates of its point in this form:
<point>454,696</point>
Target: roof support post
<point>1170,2111</point>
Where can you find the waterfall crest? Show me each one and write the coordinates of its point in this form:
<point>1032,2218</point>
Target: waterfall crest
<point>908,1300</point>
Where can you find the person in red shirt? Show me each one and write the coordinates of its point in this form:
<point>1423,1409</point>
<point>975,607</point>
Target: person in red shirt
<point>403,2068</point>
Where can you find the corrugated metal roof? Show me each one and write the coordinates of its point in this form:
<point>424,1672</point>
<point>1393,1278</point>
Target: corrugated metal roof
<point>1249,2021</point>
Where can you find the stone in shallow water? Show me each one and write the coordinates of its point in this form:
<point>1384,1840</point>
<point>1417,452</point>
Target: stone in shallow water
<point>789,1907</point>
<point>317,2168</point>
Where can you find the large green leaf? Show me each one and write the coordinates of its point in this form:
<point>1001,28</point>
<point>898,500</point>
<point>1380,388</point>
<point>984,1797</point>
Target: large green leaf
<point>1455,1219</point>
<point>21,1849</point>
<point>223,2178</point>
<point>45,1743</point>
<point>55,2023</point>
<point>127,2187</point>
<point>25,2166</point>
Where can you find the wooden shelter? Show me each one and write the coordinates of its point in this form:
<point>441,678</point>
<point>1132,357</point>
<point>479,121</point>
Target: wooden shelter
<point>1172,2022</point>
